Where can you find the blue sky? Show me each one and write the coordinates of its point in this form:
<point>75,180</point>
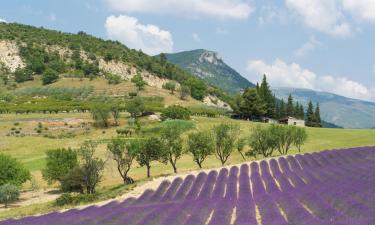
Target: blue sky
<point>318,44</point>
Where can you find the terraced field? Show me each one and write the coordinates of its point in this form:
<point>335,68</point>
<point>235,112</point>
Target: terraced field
<point>330,187</point>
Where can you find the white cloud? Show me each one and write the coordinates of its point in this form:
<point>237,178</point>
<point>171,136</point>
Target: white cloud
<point>322,15</point>
<point>281,74</point>
<point>362,9</point>
<point>271,14</point>
<point>308,47</point>
<point>230,9</point>
<point>196,37</point>
<point>3,21</point>
<point>150,38</point>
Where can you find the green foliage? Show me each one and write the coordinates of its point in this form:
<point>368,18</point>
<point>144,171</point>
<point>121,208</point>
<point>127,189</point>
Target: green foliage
<point>49,76</point>
<point>184,92</point>
<point>240,145</point>
<point>64,199</point>
<point>208,111</point>
<point>135,107</point>
<point>22,75</point>
<point>124,153</point>
<point>176,112</point>
<point>12,171</point>
<point>101,113</point>
<point>59,163</point>
<point>225,136</point>
<point>132,94</point>
<point>313,117</point>
<point>182,125</point>
<point>8,194</point>
<point>113,78</point>
<point>200,145</point>
<point>91,166</point>
<point>252,105</point>
<point>268,98</point>
<point>300,137</point>
<point>151,150</point>
<point>60,93</point>
<point>284,135</point>
<point>262,141</point>
<point>198,89</point>
<point>138,81</point>
<point>171,138</point>
<point>171,86</point>
<point>73,180</point>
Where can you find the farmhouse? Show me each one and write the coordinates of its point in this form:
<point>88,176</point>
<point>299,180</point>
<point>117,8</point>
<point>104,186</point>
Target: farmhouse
<point>292,121</point>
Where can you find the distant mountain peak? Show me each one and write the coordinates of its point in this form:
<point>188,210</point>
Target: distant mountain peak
<point>210,57</point>
<point>209,66</point>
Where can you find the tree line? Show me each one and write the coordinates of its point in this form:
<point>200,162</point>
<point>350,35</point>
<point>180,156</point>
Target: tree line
<point>258,102</point>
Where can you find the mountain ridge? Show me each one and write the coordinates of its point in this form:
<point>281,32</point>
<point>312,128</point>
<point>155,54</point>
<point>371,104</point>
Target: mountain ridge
<point>340,110</point>
<point>209,66</point>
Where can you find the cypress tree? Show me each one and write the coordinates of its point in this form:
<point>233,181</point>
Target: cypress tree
<point>267,97</point>
<point>301,112</point>
<point>252,105</point>
<point>310,115</point>
<point>318,121</point>
<point>296,111</point>
<point>290,107</point>
<point>282,109</point>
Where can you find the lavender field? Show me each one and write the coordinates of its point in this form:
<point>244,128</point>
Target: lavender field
<point>330,187</point>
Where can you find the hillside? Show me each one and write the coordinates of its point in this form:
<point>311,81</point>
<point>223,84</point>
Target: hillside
<point>209,66</point>
<point>28,52</point>
<point>342,111</point>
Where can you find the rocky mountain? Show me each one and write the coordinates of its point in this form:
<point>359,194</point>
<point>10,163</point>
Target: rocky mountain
<point>342,111</point>
<point>209,66</point>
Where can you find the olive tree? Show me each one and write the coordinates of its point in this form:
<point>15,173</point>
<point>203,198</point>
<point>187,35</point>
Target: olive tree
<point>8,194</point>
<point>101,114</point>
<point>262,141</point>
<point>151,150</point>
<point>124,152</point>
<point>200,145</point>
<point>138,81</point>
<point>225,136</point>
<point>171,138</point>
<point>171,86</point>
<point>285,137</point>
<point>91,166</point>
<point>300,137</point>
<point>240,145</point>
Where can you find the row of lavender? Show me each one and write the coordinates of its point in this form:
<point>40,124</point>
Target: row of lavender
<point>330,187</point>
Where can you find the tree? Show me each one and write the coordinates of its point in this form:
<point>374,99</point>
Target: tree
<point>138,81</point>
<point>115,111</point>
<point>171,86</point>
<point>175,112</point>
<point>262,141</point>
<point>290,106</point>
<point>172,141</point>
<point>283,112</point>
<point>184,92</point>
<point>318,121</point>
<point>59,163</point>
<point>252,105</point>
<point>284,135</point>
<point>310,117</point>
<point>49,76</point>
<point>240,145</point>
<point>198,89</point>
<point>22,75</point>
<point>200,145</point>
<point>300,136</point>
<point>8,193</point>
<point>151,150</point>
<point>12,171</point>
<point>124,154</point>
<point>100,113</point>
<point>91,166</point>
<point>135,107</point>
<point>267,97</point>
<point>225,136</point>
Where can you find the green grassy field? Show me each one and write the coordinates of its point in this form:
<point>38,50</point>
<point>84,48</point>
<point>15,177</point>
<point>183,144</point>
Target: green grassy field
<point>30,150</point>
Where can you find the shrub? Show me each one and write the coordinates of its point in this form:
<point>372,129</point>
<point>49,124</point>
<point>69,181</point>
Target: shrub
<point>49,76</point>
<point>22,75</point>
<point>138,81</point>
<point>64,199</point>
<point>113,78</point>
<point>175,112</point>
<point>171,86</point>
<point>59,163</point>
<point>12,171</point>
<point>8,193</point>
<point>200,145</point>
<point>132,94</point>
